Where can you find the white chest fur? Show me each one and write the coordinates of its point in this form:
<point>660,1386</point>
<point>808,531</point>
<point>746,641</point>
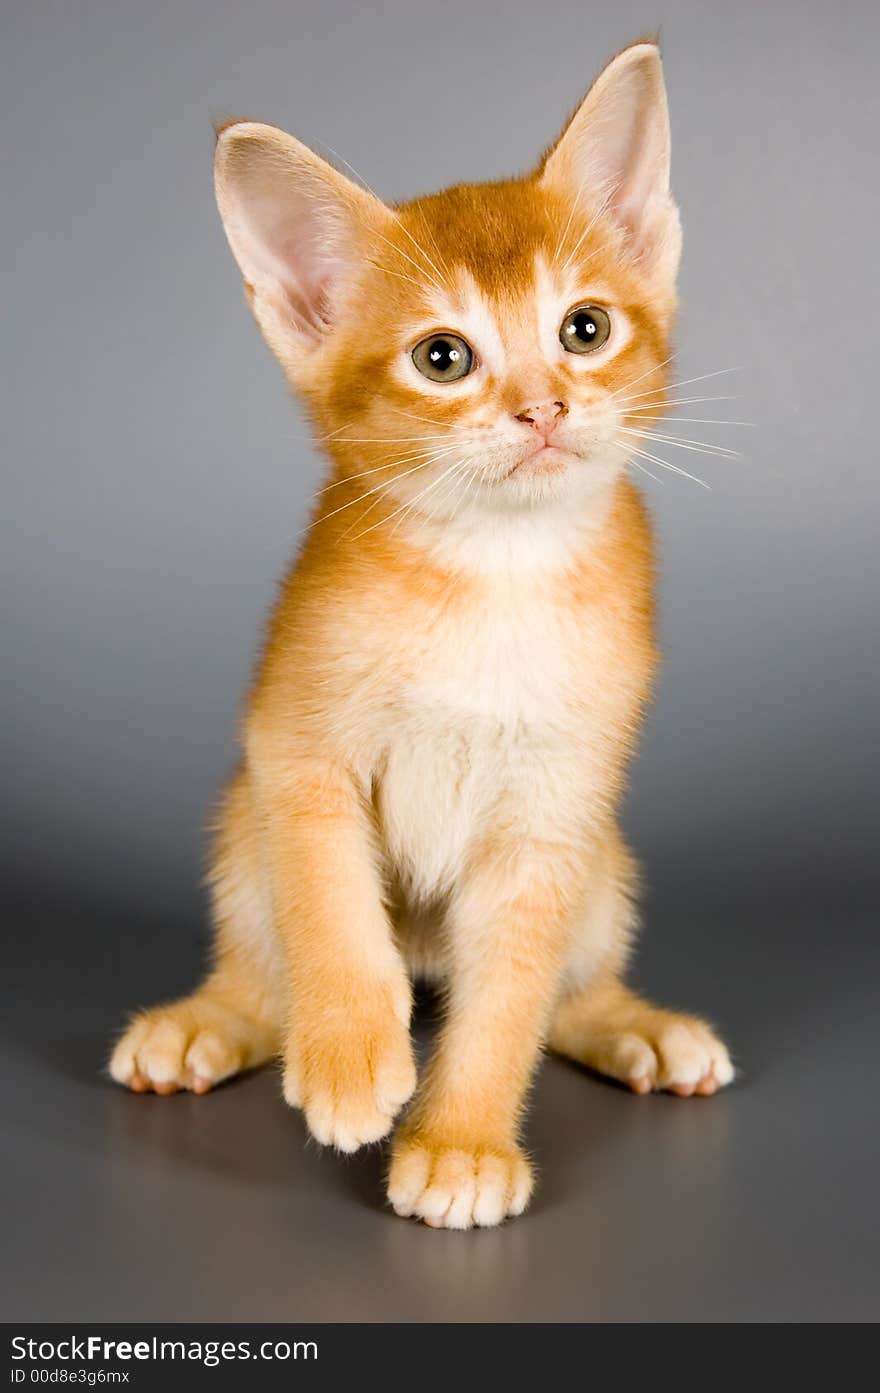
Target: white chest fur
<point>493,725</point>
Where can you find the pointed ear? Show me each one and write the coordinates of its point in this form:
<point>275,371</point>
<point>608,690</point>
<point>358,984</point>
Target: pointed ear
<point>616,148</point>
<point>297,228</point>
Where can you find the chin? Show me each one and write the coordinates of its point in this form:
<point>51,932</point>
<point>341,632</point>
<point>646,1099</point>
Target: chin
<point>527,487</point>
<point>554,474</point>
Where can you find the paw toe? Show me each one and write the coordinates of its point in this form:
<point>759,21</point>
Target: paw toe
<point>160,1057</point>
<point>634,1062</point>
<point>694,1062</point>
<point>211,1058</point>
<point>641,1085</point>
<point>395,1081</point>
<point>351,1085</point>
<point>722,1065</point>
<point>684,1059</point>
<point>490,1201</point>
<point>191,1044</point>
<point>346,1123</point>
<point>123,1061</point>
<point>521,1189</point>
<point>455,1188</point>
<point>408,1179</point>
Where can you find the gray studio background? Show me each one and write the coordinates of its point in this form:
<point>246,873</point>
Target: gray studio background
<point>156,473</point>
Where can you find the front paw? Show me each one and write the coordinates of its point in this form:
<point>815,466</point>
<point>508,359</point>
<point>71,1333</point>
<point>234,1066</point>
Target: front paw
<point>454,1187</point>
<point>350,1069</point>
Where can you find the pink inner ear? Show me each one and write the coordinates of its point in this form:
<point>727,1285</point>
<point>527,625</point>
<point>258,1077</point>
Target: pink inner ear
<point>618,144</point>
<point>630,165</point>
<point>643,174</point>
<point>295,226</point>
<point>300,256</point>
<point>292,240</point>
<point>303,275</point>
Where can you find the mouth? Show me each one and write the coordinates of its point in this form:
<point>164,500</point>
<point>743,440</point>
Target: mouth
<point>546,459</point>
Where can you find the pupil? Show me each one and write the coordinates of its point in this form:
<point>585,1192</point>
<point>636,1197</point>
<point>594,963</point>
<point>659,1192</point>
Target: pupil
<point>584,327</point>
<point>443,355</point>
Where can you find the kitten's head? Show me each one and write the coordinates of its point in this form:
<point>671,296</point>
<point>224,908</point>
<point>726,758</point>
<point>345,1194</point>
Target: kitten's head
<point>482,348</point>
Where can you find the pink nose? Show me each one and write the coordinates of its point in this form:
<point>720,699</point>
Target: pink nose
<point>544,416</point>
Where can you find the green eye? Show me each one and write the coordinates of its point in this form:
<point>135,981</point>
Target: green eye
<point>585,329</point>
<point>443,358</point>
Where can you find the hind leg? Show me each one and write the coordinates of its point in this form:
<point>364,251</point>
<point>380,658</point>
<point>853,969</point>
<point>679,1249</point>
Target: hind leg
<point>600,1023</point>
<point>233,1021</point>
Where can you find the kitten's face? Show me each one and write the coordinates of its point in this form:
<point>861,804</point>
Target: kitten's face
<point>481,349</point>
<point>497,372</point>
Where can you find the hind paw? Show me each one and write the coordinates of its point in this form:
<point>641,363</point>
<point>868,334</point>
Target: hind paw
<point>191,1044</point>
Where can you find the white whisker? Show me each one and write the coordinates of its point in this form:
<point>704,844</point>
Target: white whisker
<point>441,258</point>
<point>400,252</point>
<point>452,473</point>
<point>377,469</point>
<point>671,386</point>
<point>412,503</point>
<point>654,368</point>
<point>560,243</point>
<point>319,439</point>
<point>390,439</point>
<point>465,491</point>
<point>701,420</point>
<point>664,464</point>
<point>590,225</point>
<point>361,180</point>
<point>387,271</point>
<point>379,487</point>
<point>701,446</point>
<point>432,420</point>
<point>382,494</point>
<point>627,410</point>
<point>635,464</point>
<point>421,249</point>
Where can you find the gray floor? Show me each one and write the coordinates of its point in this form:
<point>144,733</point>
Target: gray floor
<point>760,1204</point>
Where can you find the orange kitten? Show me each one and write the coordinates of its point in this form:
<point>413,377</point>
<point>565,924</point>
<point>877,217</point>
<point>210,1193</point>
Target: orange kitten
<point>437,736</point>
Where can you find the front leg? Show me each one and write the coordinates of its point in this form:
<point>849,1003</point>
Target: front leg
<point>348,1058</point>
<point>456,1159</point>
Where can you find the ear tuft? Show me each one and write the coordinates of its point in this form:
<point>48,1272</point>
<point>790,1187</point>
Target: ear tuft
<point>615,150</point>
<point>224,123</point>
